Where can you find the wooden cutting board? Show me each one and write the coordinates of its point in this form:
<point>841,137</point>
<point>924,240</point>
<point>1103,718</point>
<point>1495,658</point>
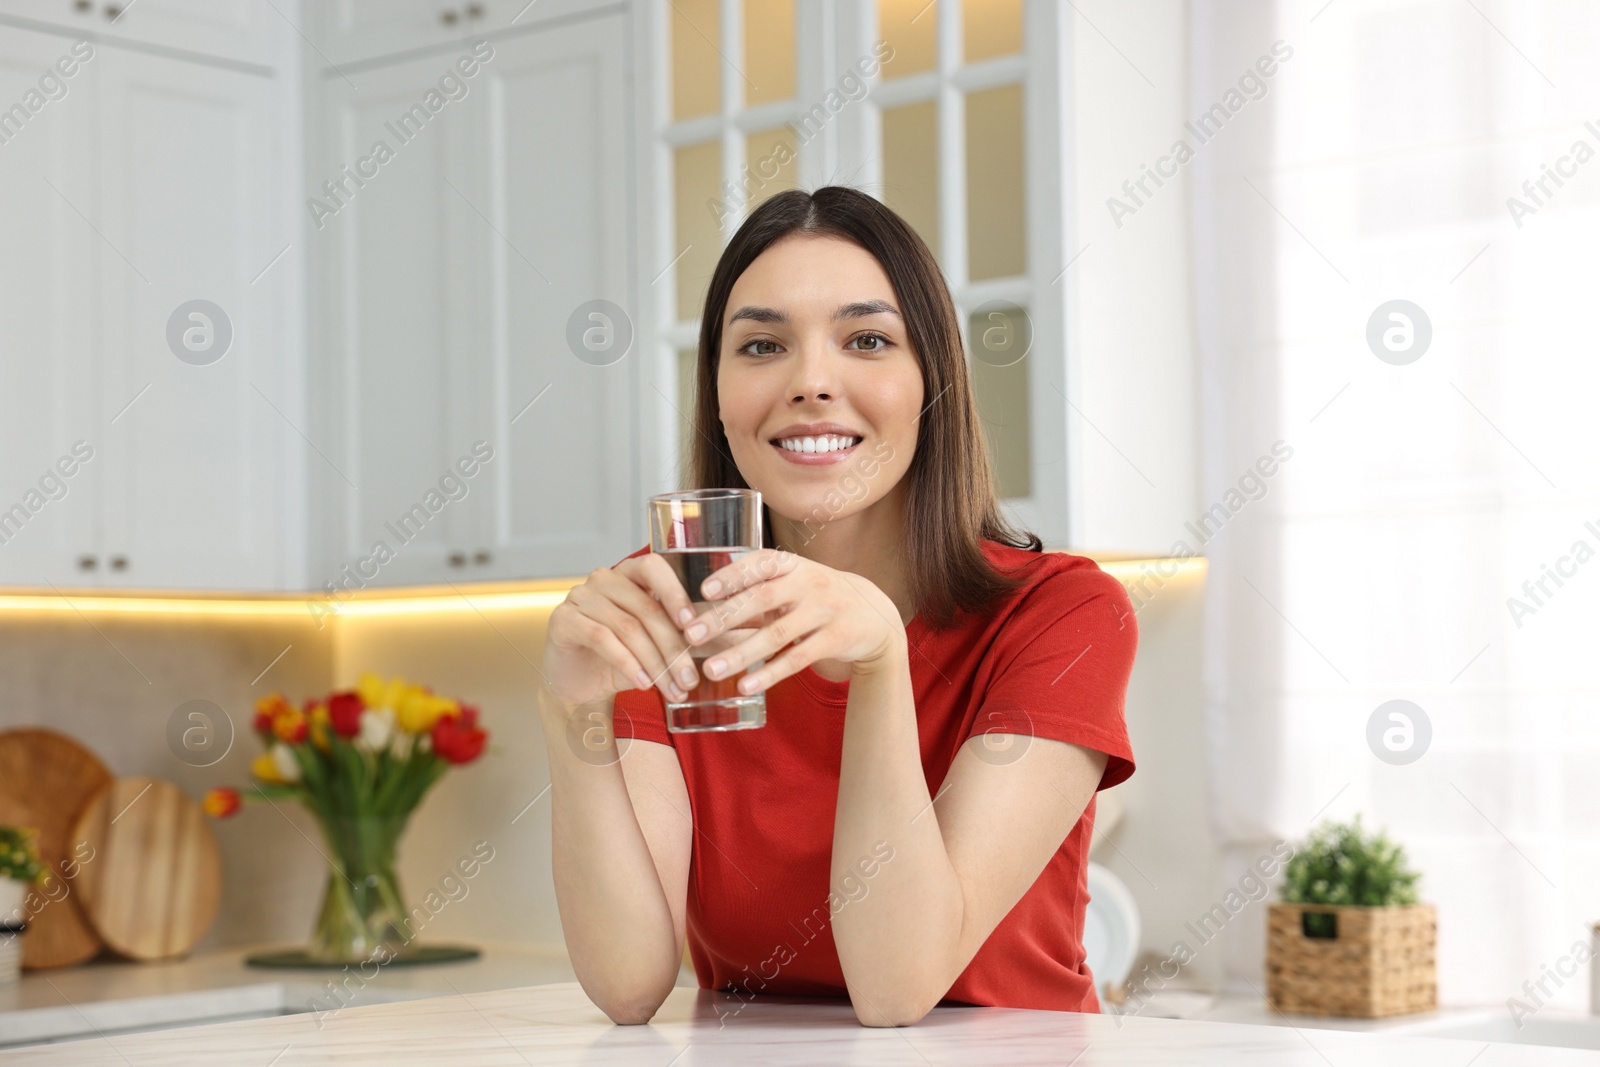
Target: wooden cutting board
<point>156,881</point>
<point>45,780</point>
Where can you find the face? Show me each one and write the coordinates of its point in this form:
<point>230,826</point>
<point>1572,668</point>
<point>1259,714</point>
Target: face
<point>813,346</point>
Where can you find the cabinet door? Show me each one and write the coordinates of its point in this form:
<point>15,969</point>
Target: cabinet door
<point>560,173</point>
<point>240,30</point>
<point>47,315</point>
<point>196,395</point>
<point>401,314</point>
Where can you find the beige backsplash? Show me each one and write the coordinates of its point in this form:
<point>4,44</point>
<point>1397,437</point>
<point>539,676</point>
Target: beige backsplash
<point>64,671</point>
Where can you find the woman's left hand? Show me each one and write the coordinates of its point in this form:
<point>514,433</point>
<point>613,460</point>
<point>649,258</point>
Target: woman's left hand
<point>825,616</point>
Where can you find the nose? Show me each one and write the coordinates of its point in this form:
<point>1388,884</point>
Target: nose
<point>815,374</point>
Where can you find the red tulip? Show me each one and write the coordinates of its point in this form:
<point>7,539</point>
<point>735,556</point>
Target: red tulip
<point>344,712</point>
<point>458,738</point>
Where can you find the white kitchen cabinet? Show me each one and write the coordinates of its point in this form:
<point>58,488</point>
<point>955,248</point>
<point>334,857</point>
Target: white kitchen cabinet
<point>566,491</point>
<point>149,183</point>
<point>397,395</point>
<point>356,34</point>
<point>241,32</point>
<point>188,199</point>
<point>447,279</point>
<point>48,513</point>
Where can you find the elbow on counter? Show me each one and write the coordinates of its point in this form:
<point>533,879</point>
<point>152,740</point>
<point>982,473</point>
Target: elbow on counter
<point>891,1009</point>
<point>631,1006</point>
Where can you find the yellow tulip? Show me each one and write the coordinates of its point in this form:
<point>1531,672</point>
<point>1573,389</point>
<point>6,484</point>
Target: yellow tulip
<point>265,768</point>
<point>372,690</point>
<point>419,709</point>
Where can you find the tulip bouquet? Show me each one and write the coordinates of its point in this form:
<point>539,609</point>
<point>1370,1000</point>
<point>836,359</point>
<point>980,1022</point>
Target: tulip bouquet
<point>360,761</point>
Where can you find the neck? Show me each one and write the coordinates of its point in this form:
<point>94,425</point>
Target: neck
<point>870,543</point>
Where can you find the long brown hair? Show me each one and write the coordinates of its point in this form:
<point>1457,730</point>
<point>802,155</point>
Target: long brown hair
<point>950,502</point>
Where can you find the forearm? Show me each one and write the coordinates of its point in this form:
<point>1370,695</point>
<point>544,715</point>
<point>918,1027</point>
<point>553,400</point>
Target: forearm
<point>896,942</point>
<point>615,916</point>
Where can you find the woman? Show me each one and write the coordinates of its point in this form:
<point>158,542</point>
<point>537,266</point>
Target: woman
<point>912,825</point>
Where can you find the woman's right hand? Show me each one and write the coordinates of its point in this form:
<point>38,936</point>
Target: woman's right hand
<point>617,630</point>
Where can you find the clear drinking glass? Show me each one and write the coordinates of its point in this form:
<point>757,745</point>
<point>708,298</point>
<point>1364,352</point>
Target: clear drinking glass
<point>698,532</point>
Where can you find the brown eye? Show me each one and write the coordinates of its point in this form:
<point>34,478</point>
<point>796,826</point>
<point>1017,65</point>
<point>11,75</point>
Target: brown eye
<point>879,342</point>
<point>745,348</point>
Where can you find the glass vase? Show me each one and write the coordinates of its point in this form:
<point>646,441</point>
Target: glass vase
<point>363,915</point>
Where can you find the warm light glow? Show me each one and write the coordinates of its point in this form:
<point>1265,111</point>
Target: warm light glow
<point>428,601</point>
<point>264,606</point>
<point>1127,570</point>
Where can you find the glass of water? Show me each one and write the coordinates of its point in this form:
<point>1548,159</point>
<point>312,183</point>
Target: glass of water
<point>698,532</point>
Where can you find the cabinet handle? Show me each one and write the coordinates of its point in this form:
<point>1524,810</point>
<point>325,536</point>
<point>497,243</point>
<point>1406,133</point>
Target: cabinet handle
<point>112,11</point>
<point>84,5</point>
<point>481,556</point>
<point>119,563</point>
<point>86,563</point>
<point>448,16</point>
<point>458,559</point>
<point>474,11</point>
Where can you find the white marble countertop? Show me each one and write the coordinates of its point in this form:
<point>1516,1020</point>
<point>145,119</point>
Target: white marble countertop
<point>110,996</point>
<point>556,1024</point>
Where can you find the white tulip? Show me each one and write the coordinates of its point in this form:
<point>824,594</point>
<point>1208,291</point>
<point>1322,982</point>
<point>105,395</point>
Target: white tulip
<point>283,759</point>
<point>376,726</point>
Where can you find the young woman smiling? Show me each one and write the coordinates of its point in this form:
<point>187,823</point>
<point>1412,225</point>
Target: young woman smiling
<point>944,699</point>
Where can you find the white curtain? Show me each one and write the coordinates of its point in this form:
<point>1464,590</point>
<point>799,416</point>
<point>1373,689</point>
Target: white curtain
<point>1376,165</point>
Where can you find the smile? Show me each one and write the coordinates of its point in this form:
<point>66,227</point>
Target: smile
<point>818,450</point>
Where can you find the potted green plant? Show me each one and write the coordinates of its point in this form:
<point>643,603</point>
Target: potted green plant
<point>20,868</point>
<point>1350,937</point>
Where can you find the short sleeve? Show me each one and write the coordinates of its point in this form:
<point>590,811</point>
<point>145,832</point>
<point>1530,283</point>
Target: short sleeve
<point>640,714</point>
<point>1062,663</point>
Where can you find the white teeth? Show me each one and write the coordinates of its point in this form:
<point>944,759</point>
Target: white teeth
<point>827,443</point>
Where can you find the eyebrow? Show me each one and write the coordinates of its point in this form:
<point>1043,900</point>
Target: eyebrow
<point>856,310</point>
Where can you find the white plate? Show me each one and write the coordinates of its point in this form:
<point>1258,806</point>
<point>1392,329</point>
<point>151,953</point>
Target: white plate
<point>1110,929</point>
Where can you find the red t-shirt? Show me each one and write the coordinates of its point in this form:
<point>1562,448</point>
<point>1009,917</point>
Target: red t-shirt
<point>1052,661</point>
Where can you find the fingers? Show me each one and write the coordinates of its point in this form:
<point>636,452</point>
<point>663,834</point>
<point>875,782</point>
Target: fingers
<point>656,575</point>
<point>748,570</point>
<point>796,627</point>
<point>604,643</point>
<point>746,604</point>
<point>641,625</point>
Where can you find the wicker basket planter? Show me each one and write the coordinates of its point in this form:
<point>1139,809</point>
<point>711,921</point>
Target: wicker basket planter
<point>1378,962</point>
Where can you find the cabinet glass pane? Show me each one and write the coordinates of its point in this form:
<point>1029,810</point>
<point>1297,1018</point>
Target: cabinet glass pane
<point>696,64</point>
<point>990,28</point>
<point>768,50</point>
<point>697,174</point>
<point>687,365</point>
<point>910,27</point>
<point>996,234</point>
<point>911,166</point>
<point>1001,388</point>
<point>773,162</point>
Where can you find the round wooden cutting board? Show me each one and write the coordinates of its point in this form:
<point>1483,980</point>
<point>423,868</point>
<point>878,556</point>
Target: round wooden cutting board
<point>155,884</point>
<point>45,780</point>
